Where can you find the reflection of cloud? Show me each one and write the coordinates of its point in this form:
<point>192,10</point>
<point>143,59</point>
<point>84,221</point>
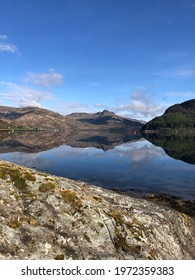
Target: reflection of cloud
<point>180,167</point>
<point>28,160</point>
<point>139,151</point>
<point>70,152</point>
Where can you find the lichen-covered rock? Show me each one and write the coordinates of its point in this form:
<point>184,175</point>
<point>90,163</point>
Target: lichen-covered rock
<point>49,217</point>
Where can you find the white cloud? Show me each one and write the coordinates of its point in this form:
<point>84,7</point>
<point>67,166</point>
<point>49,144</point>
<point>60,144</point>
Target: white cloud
<point>21,96</point>
<point>3,37</point>
<point>7,47</point>
<point>66,108</point>
<point>142,106</point>
<point>46,79</point>
<point>99,105</point>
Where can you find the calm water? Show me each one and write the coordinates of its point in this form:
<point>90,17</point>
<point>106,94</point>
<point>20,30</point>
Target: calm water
<point>136,166</point>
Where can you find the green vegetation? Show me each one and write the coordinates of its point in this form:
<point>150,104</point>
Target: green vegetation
<point>174,131</point>
<point>180,116</point>
<point>16,176</point>
<point>17,128</point>
<point>30,177</point>
<point>46,187</point>
<point>176,146</point>
<point>134,226</point>
<point>72,198</point>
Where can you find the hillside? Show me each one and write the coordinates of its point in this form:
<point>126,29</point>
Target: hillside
<point>3,124</point>
<point>32,117</point>
<point>177,117</point>
<point>42,119</point>
<point>105,120</point>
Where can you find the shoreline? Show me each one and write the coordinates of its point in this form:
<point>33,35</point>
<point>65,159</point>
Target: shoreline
<point>49,217</point>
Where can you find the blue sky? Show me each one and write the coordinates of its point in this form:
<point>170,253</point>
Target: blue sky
<point>134,58</point>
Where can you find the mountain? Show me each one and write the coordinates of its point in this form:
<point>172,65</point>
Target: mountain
<point>42,119</point>
<point>103,130</point>
<point>102,121</point>
<point>3,124</point>
<point>31,117</point>
<point>177,117</point>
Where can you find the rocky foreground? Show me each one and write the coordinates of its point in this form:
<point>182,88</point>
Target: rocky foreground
<point>49,217</point>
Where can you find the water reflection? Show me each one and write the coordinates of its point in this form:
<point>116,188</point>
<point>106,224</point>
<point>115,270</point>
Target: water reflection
<point>128,163</point>
<point>33,142</point>
<point>175,146</point>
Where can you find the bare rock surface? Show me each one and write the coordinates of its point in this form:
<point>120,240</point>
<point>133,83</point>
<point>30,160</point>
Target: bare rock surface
<point>49,217</point>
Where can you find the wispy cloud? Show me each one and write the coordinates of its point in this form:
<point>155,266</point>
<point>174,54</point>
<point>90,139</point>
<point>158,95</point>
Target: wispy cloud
<point>49,79</point>
<point>187,94</point>
<point>3,37</point>
<point>66,108</point>
<point>94,84</point>
<point>21,96</point>
<point>183,72</point>
<point>6,46</point>
<point>167,56</point>
<point>99,105</point>
<point>29,93</point>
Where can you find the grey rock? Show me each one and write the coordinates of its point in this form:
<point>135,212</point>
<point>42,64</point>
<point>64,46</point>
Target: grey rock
<point>47,217</point>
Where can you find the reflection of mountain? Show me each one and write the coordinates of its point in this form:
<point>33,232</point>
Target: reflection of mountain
<point>182,148</point>
<point>33,142</point>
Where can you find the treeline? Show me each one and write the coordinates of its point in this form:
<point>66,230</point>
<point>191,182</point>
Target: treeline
<point>179,116</point>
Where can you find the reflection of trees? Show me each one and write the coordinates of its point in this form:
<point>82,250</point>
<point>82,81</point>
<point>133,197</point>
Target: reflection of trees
<point>178,147</point>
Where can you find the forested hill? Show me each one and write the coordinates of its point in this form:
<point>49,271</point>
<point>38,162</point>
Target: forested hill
<point>178,116</point>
